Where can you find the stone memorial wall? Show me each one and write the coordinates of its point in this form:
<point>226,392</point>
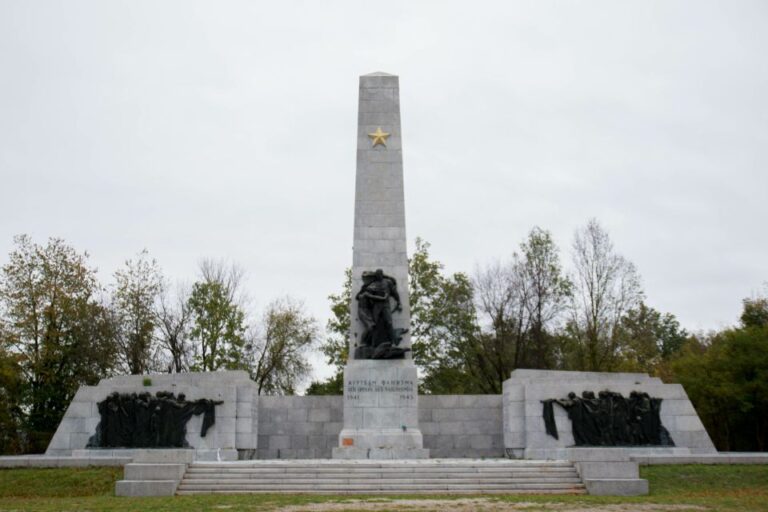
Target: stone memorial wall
<point>236,412</point>
<point>462,426</point>
<point>308,427</point>
<point>299,427</point>
<point>455,426</point>
<point>525,394</point>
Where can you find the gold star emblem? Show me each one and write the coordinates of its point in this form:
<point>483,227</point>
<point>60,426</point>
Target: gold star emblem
<point>379,137</point>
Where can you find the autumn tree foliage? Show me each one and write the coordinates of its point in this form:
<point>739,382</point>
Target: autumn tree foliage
<point>56,332</point>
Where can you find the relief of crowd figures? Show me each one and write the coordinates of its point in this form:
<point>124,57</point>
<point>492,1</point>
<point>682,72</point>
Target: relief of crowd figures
<point>611,419</point>
<point>145,421</point>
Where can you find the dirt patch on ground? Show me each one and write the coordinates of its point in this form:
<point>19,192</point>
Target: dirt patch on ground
<point>480,504</point>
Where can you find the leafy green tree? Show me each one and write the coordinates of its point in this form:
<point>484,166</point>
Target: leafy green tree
<point>331,386</point>
<point>280,352</point>
<point>726,378</point>
<point>218,328</point>
<point>137,288</point>
<point>11,389</point>
<point>335,346</point>
<point>63,335</point>
<point>545,291</point>
<point>442,311</point>
<point>446,332</point>
<point>755,312</point>
<point>648,339</point>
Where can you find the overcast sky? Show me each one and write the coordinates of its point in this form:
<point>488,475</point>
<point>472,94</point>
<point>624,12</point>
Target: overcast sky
<point>228,130</point>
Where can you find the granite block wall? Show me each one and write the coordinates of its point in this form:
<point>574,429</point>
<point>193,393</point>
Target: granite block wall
<point>299,427</point>
<point>462,425</point>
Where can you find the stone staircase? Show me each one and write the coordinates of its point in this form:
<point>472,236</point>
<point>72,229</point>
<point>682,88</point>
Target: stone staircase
<point>433,476</point>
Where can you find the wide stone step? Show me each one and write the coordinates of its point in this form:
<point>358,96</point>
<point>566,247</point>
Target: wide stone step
<point>369,478</point>
<point>371,475</point>
<point>379,471</point>
<point>396,492</point>
<point>354,474</point>
<point>380,476</point>
<point>378,487</point>
<point>272,465</point>
<point>383,477</point>
<point>395,481</point>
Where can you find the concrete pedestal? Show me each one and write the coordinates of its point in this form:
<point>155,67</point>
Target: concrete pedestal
<point>381,417</point>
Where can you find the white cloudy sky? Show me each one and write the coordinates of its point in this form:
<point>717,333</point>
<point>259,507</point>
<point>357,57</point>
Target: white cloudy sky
<point>227,129</point>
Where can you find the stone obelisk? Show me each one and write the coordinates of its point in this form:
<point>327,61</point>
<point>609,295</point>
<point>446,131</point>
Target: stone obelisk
<point>380,381</point>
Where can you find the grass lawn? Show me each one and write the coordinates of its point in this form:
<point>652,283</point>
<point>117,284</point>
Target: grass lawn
<point>673,488</point>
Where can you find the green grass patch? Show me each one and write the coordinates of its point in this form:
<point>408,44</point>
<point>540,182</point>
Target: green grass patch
<point>58,483</point>
<point>712,488</point>
<point>703,479</point>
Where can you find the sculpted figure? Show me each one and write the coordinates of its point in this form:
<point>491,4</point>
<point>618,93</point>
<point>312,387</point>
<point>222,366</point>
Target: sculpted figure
<point>620,420</point>
<point>143,411</point>
<point>365,311</point>
<point>374,300</point>
<point>576,412</point>
<point>374,307</point>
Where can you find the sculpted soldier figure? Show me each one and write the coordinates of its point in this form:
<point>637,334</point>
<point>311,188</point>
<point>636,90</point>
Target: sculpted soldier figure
<point>379,336</point>
<point>365,311</point>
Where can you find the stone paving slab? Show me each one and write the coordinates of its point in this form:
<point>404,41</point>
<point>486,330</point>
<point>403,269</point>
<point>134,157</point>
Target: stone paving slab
<point>718,458</point>
<point>38,461</point>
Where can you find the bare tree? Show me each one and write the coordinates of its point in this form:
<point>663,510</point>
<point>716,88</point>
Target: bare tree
<point>520,302</point>
<point>606,287</point>
<point>503,320</point>
<point>173,319</point>
<point>229,276</point>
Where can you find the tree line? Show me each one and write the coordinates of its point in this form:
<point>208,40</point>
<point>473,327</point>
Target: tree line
<point>61,328</point>
<point>469,332</point>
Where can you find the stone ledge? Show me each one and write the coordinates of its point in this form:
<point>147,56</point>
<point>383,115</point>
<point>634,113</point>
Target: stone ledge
<point>607,469</point>
<point>146,487</point>
<point>144,472</point>
<point>715,458</point>
<point>168,456</point>
<point>380,453</point>
<point>617,486</point>
<point>216,454</point>
<point>37,461</point>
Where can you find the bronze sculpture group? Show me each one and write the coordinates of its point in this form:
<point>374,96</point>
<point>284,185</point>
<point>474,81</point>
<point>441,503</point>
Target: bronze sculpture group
<point>610,419</point>
<point>145,421</point>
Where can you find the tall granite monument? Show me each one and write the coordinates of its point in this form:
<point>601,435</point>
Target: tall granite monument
<point>380,382</point>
